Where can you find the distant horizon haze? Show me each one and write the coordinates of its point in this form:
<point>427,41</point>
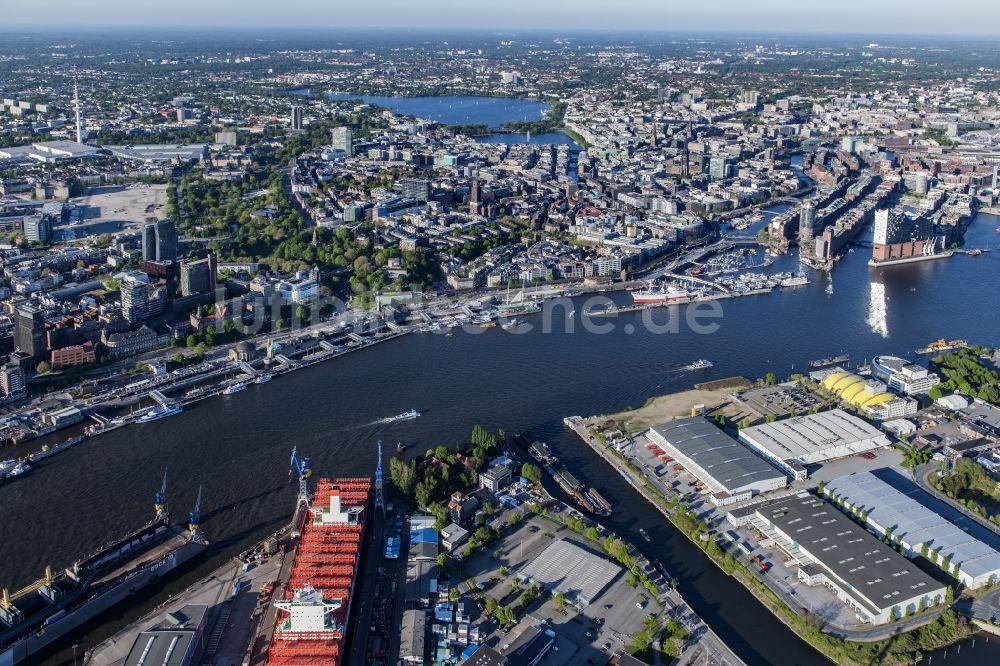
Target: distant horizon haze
<point>971,18</point>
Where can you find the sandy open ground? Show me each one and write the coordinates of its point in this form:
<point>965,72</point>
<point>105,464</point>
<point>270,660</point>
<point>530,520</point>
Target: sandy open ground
<point>129,205</point>
<point>667,407</point>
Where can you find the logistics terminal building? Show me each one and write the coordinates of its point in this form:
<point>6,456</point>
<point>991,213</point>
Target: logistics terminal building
<point>730,470</point>
<point>963,556</point>
<point>812,438</point>
<point>875,581</point>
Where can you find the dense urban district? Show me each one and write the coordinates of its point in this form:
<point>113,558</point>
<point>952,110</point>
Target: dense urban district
<point>184,215</point>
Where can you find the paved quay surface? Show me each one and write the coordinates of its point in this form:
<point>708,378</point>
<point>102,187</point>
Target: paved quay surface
<point>703,646</point>
<point>230,625</point>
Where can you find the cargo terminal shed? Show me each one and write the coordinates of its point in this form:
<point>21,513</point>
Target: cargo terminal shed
<point>792,443</point>
<point>971,561</point>
<point>730,470</point>
<point>830,549</point>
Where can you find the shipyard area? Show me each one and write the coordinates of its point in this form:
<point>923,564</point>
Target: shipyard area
<point>514,576</point>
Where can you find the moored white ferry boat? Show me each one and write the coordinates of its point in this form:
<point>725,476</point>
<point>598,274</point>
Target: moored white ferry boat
<point>661,294</point>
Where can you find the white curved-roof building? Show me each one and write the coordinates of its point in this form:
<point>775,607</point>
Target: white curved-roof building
<point>813,438</point>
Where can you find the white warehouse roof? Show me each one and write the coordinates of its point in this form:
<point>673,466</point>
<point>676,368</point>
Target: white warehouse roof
<point>814,438</point>
<point>916,524</point>
<point>566,567</point>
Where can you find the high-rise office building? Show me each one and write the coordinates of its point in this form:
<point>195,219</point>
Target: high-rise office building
<point>296,118</point>
<point>198,277</point>
<point>849,144</point>
<point>416,188</point>
<point>718,167</point>
<point>807,222</point>
<point>12,381</point>
<point>149,241</point>
<point>37,229</point>
<point>135,296</point>
<point>342,138</point>
<point>159,241</point>
<point>29,331</point>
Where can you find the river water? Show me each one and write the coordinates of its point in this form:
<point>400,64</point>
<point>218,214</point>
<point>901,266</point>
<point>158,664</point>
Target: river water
<point>237,447</point>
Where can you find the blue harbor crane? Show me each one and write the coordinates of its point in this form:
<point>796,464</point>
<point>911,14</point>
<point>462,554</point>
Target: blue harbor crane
<point>301,468</point>
<point>160,500</point>
<point>379,497</point>
<point>194,517</point>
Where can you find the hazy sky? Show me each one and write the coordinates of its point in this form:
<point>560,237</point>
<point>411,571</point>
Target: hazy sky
<point>855,16</point>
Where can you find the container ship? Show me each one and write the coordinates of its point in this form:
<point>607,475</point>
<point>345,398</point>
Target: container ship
<point>311,620</point>
<point>35,616</point>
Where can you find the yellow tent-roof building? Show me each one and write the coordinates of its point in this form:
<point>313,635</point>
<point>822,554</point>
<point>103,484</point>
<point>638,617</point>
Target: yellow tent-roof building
<point>853,390</point>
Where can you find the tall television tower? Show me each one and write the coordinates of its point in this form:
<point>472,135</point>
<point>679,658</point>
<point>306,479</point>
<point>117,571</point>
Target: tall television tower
<point>76,106</point>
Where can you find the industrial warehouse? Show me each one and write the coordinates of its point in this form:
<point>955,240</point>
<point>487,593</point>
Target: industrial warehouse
<point>875,581</point>
<point>812,439</point>
<point>968,559</point>
<point>730,470</point>
<point>567,568</point>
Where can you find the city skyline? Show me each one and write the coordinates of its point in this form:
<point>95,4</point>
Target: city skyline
<point>767,16</point>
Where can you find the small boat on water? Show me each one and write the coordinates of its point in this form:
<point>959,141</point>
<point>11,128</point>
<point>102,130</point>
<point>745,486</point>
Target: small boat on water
<point>262,379</point>
<point>700,364</point>
<point>488,324</point>
<point>158,413</point>
<point>645,535</point>
<point>235,388</point>
<point>405,416</point>
<point>11,469</point>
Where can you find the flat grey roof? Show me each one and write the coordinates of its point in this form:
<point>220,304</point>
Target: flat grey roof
<point>810,434</point>
<point>411,635</point>
<point>731,464</point>
<point>167,642</point>
<point>915,523</point>
<point>566,567</point>
<point>848,551</point>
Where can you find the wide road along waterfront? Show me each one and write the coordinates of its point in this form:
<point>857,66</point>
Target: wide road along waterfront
<point>238,446</point>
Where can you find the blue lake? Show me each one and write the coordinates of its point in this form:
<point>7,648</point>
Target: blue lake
<point>492,111</point>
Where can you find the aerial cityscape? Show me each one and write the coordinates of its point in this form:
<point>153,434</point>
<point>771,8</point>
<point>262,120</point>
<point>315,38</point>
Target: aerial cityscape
<point>500,335</point>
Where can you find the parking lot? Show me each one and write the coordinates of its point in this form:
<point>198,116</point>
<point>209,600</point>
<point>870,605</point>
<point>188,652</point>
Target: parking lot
<point>588,634</point>
<point>817,599</point>
<point>780,400</point>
